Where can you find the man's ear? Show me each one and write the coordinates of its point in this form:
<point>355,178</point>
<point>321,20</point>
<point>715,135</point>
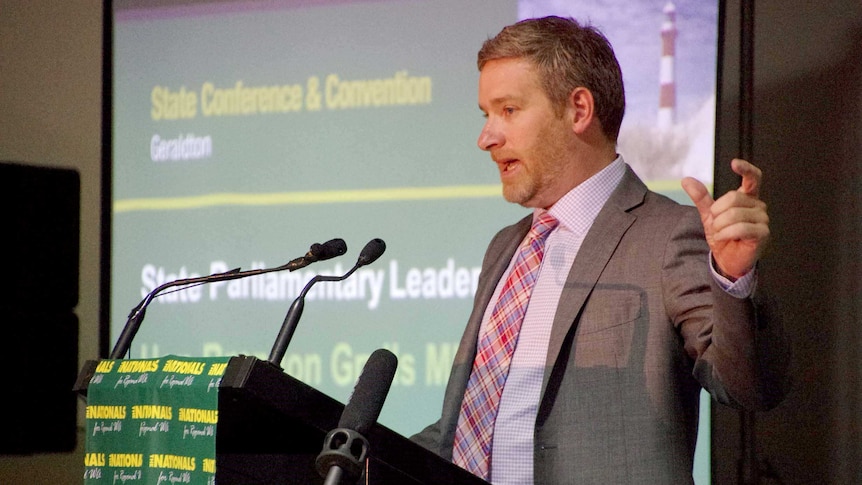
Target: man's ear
<point>581,109</point>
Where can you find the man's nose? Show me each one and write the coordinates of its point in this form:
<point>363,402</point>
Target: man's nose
<point>489,137</point>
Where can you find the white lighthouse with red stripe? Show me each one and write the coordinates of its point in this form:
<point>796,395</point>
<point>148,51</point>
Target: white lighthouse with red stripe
<point>667,86</point>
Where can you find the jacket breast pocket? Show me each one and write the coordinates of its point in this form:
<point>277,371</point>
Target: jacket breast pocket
<point>607,327</point>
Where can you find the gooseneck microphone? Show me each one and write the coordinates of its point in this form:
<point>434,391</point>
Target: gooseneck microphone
<point>369,254</point>
<point>317,252</point>
<point>345,448</point>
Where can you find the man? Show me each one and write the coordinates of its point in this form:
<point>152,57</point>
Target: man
<point>635,302</point>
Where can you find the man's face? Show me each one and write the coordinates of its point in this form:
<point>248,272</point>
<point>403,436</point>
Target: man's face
<point>529,142</point>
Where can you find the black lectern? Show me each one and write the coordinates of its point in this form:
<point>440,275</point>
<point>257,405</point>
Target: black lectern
<point>271,428</point>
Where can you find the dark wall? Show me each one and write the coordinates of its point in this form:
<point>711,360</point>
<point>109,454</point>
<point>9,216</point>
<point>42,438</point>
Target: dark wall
<point>50,108</point>
<point>807,134</point>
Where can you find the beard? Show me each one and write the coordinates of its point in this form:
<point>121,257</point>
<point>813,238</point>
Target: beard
<point>542,169</point>
<point>526,190</point>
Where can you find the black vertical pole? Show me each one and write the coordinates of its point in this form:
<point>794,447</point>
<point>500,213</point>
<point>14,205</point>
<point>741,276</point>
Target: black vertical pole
<point>746,78</point>
<point>749,468</point>
<point>107,177</point>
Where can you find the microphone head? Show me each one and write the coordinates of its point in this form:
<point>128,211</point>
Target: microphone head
<point>331,249</point>
<point>373,250</point>
<point>327,250</point>
<point>370,392</point>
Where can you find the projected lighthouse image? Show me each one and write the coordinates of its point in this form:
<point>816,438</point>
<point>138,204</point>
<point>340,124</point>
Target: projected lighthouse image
<point>667,90</point>
<point>667,51</point>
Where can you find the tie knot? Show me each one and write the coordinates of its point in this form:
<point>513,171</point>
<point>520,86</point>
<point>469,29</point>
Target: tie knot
<point>543,225</point>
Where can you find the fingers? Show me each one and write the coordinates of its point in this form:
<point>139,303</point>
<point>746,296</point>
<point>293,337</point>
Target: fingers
<point>699,195</point>
<point>751,176</point>
<point>741,223</point>
<point>738,207</point>
<point>736,225</point>
<point>755,234</point>
<point>736,198</point>
<point>738,214</point>
<point>747,194</point>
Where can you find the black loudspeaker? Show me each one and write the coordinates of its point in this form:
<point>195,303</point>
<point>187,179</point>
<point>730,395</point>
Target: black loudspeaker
<point>41,361</point>
<point>39,249</point>
<point>39,236</point>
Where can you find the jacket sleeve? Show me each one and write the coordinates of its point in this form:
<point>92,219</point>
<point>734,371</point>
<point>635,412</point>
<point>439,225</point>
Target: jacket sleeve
<point>738,344</point>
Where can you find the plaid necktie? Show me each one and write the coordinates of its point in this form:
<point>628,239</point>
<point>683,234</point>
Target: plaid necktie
<point>472,448</point>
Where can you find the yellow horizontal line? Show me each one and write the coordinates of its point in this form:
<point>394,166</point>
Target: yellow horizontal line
<point>327,197</point>
<point>665,186</point>
<point>306,198</point>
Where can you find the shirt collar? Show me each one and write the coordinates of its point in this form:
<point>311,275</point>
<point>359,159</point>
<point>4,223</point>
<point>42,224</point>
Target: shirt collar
<point>577,210</point>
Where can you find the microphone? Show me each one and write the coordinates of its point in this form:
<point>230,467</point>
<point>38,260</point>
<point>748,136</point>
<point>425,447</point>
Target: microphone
<point>345,448</point>
<point>369,254</point>
<point>317,252</point>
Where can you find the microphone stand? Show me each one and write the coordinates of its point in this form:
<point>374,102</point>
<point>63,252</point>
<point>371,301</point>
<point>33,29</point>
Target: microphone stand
<point>136,316</point>
<point>291,319</point>
<point>372,250</point>
<point>318,252</point>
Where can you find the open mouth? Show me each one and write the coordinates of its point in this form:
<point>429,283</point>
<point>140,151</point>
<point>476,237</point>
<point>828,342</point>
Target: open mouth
<point>509,165</point>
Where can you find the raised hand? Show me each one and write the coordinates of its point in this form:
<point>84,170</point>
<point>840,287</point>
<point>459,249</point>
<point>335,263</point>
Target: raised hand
<point>736,225</point>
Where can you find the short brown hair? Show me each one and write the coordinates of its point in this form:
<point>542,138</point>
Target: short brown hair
<point>567,55</point>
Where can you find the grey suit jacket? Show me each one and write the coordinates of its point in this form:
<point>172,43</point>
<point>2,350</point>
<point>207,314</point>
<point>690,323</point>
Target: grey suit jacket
<point>641,326</point>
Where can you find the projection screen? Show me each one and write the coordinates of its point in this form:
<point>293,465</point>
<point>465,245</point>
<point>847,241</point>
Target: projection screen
<point>245,131</point>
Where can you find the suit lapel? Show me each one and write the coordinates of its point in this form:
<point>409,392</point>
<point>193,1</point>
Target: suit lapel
<point>597,249</point>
